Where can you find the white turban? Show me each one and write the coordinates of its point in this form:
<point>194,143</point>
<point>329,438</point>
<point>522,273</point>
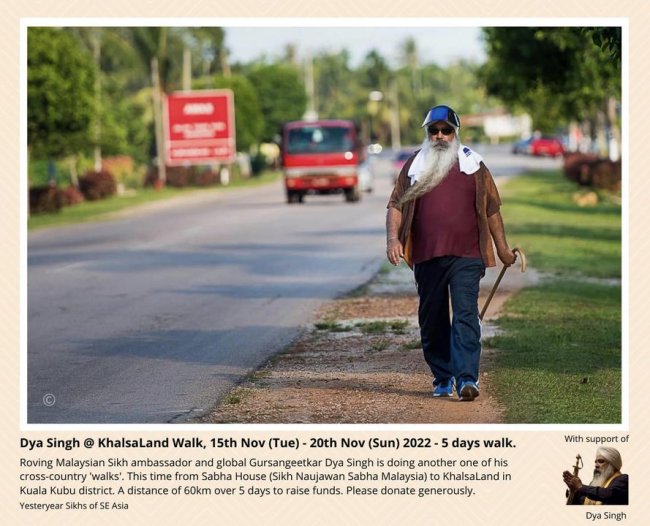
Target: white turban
<point>611,455</point>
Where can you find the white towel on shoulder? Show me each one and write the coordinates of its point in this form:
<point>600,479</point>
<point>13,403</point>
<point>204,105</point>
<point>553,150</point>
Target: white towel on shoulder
<point>468,159</point>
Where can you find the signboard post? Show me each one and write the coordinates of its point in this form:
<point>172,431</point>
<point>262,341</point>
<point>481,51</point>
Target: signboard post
<point>200,127</point>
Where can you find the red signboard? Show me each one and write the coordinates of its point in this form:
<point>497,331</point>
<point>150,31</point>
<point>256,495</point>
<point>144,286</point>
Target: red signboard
<point>200,127</point>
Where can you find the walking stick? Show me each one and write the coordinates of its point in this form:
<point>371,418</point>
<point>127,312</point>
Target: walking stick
<point>496,283</point>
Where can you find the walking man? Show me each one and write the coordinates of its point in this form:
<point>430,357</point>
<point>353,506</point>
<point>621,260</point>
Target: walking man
<point>443,216</point>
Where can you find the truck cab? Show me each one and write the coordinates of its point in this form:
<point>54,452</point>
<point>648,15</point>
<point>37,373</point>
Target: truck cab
<point>321,157</point>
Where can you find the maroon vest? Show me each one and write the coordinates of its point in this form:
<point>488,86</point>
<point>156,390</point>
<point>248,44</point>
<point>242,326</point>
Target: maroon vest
<point>445,221</point>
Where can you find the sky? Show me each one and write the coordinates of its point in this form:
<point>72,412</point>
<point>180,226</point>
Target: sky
<point>440,45</point>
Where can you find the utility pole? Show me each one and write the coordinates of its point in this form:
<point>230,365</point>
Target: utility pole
<point>157,115</point>
<point>225,64</point>
<point>187,69</point>
<point>374,98</point>
<point>395,137</point>
<point>311,112</point>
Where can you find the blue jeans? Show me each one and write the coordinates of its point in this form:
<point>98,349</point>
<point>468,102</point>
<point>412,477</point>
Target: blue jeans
<point>452,350</point>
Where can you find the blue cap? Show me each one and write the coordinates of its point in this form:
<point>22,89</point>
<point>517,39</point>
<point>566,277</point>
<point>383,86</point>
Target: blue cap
<point>442,113</point>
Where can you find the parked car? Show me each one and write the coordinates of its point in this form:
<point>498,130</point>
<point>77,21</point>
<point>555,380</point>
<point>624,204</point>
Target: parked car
<point>399,160</point>
<point>522,146</point>
<point>550,146</point>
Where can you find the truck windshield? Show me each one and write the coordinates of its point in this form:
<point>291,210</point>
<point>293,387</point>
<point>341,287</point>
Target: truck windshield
<point>319,139</point>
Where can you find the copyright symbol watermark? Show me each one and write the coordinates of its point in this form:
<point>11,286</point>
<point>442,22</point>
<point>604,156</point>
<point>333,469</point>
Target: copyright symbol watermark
<point>49,400</point>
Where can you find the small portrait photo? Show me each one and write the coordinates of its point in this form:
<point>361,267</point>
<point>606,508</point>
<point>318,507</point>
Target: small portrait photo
<point>608,484</point>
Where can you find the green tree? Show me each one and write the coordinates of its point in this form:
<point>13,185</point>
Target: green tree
<point>60,87</point>
<point>154,43</point>
<point>281,92</point>
<point>127,123</point>
<point>414,104</point>
<point>556,74</point>
<point>335,82</point>
<point>125,68</point>
<point>411,62</point>
<point>206,47</point>
<point>374,71</point>
<point>606,38</point>
<point>375,76</point>
<point>249,122</point>
<point>118,122</point>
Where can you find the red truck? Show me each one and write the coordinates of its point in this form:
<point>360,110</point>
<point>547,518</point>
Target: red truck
<point>321,157</point>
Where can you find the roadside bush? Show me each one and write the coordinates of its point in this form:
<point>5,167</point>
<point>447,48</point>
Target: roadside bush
<point>607,175</point>
<point>97,185</point>
<point>591,170</point>
<point>576,167</point>
<point>70,196</point>
<point>183,176</point>
<point>177,176</point>
<point>207,178</point>
<point>44,199</point>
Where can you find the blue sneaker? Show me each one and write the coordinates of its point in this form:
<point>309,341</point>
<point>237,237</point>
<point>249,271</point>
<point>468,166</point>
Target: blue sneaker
<point>445,389</point>
<point>467,391</point>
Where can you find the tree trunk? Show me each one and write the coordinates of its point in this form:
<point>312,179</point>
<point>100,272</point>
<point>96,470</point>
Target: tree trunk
<point>187,70</point>
<point>98,101</point>
<point>395,137</point>
<point>74,176</point>
<point>223,61</point>
<point>601,133</point>
<point>614,135</point>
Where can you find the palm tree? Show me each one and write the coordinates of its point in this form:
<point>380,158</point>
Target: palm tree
<point>412,62</point>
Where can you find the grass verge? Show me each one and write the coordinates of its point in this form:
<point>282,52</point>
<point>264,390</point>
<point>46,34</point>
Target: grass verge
<point>560,350</point>
<point>98,210</point>
<point>558,235</point>
<point>560,354</point>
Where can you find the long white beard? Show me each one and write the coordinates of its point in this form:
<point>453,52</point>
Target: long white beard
<point>602,477</point>
<point>440,157</point>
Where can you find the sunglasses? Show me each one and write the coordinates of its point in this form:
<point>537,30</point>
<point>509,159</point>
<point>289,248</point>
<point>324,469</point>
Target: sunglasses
<point>447,130</point>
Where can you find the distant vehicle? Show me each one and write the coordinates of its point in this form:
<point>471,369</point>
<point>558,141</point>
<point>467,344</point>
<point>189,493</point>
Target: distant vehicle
<point>366,177</point>
<point>400,160</point>
<point>522,146</point>
<point>550,146</point>
<point>321,157</point>
<point>375,148</point>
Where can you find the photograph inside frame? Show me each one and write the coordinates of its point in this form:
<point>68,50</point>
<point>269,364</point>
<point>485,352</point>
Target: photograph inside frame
<point>319,225</point>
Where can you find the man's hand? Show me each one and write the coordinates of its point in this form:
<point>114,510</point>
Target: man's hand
<point>574,483</point>
<point>507,256</point>
<point>394,251</point>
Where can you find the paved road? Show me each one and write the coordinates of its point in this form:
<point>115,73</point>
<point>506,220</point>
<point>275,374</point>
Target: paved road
<point>150,318</point>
